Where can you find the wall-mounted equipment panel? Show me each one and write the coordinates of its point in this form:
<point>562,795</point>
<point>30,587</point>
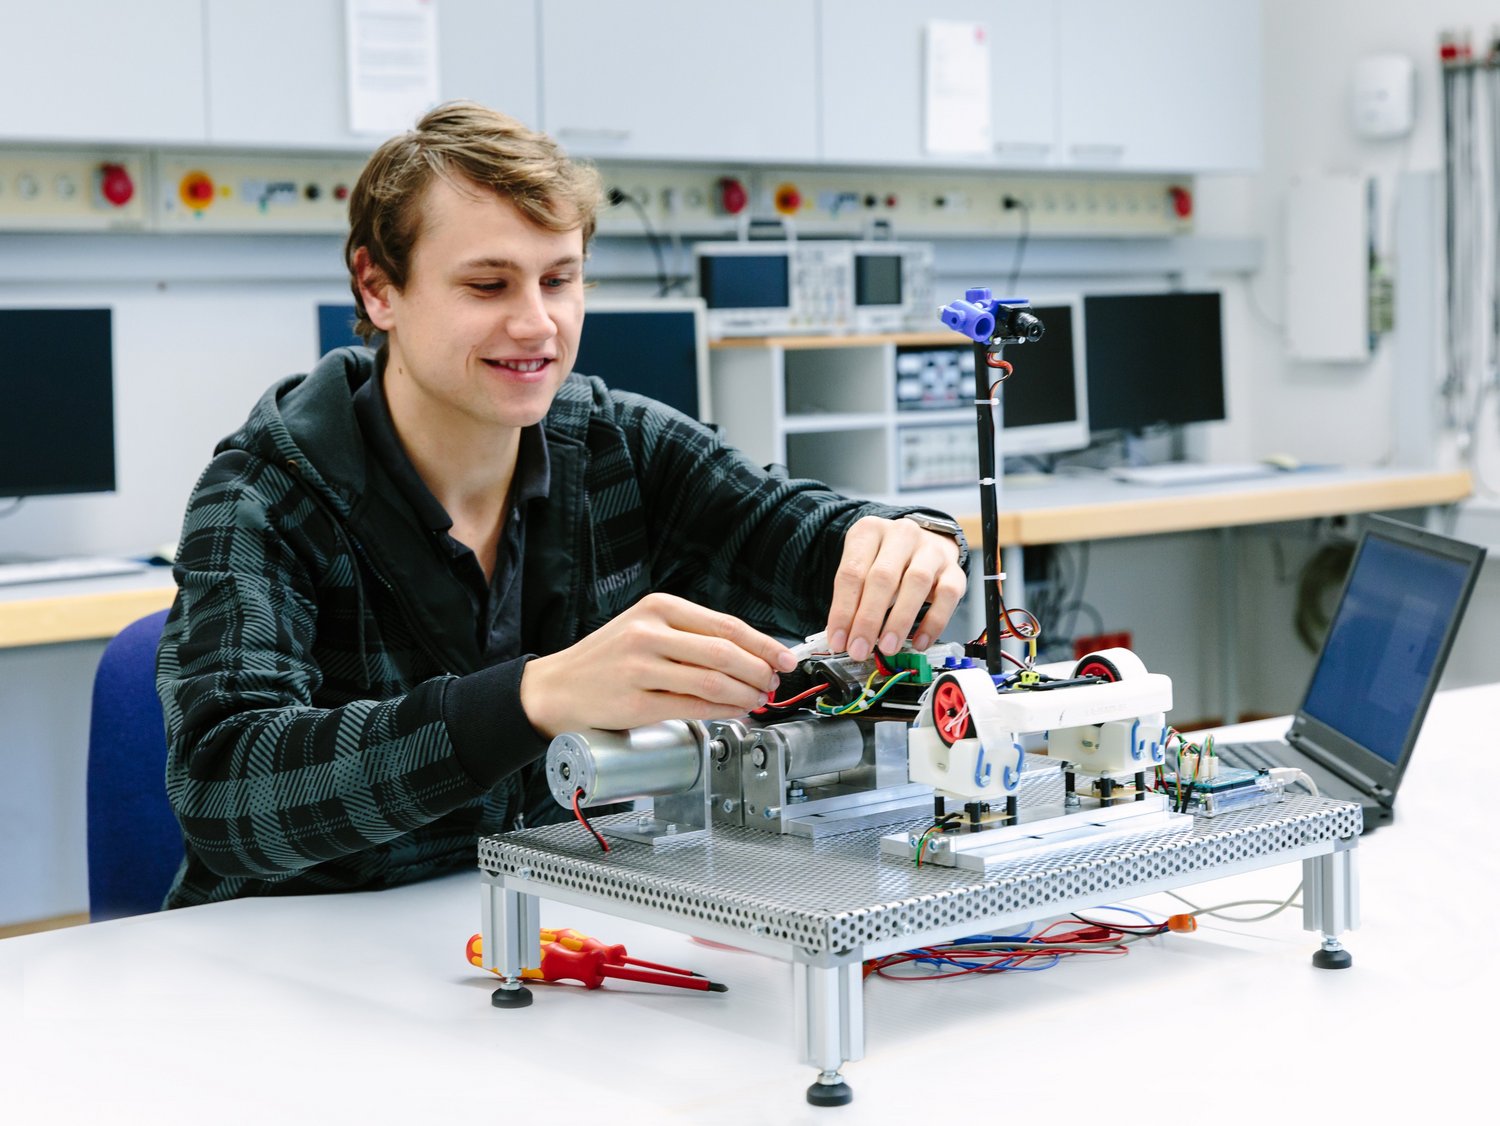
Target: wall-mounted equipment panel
<point>706,200</point>
<point>206,192</point>
<point>60,191</point>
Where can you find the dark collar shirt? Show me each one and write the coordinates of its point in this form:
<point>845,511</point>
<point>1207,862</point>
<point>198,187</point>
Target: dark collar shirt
<point>496,603</point>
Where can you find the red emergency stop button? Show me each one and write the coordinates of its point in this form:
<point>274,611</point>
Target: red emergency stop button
<point>115,184</point>
<point>732,196</point>
<point>788,199</point>
<point>196,190</point>
<point>1182,201</point>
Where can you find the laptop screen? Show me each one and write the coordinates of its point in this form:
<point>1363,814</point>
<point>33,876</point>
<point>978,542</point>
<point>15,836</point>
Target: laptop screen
<point>1388,641</point>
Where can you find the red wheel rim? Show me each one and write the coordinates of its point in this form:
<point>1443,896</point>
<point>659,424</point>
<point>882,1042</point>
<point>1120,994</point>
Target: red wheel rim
<point>1101,670</point>
<point>951,711</point>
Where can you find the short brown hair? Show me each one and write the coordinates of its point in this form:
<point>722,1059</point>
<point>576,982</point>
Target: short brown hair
<point>472,142</point>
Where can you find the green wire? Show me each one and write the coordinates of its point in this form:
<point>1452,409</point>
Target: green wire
<point>863,704</point>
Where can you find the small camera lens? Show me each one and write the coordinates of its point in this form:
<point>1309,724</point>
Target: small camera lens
<point>1028,327</point>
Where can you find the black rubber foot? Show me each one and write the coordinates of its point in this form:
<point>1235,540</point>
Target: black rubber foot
<point>830,1094</point>
<point>504,998</point>
<point>1333,959</point>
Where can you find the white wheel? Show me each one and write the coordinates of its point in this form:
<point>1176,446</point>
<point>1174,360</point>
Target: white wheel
<point>1111,665</point>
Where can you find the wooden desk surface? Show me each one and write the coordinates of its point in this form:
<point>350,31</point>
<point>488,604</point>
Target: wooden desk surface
<point>1095,507</point>
<point>1051,510</point>
<point>80,610</point>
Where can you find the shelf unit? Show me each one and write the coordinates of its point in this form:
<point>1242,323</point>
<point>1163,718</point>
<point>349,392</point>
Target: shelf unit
<point>825,407</point>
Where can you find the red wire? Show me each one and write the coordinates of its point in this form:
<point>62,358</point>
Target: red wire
<point>584,821</point>
<point>795,699</point>
<point>1104,936</point>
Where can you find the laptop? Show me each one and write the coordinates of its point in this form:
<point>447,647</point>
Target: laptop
<point>1380,664</point>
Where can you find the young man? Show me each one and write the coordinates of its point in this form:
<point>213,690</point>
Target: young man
<point>409,570</point>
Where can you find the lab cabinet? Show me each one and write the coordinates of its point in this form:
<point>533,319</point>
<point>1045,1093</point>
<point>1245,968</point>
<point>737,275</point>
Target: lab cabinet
<point>100,70</point>
<point>1159,85</point>
<point>1153,85</point>
<point>825,407</point>
<point>680,79</point>
<point>872,54</point>
<point>277,68</point>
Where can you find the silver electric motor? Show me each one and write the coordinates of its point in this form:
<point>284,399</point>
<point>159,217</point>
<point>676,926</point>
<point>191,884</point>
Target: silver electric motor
<point>810,747</point>
<point>616,766</point>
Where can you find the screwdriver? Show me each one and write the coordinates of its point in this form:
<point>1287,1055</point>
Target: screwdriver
<point>589,967</point>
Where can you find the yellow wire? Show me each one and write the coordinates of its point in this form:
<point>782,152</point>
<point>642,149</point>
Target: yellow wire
<point>865,691</point>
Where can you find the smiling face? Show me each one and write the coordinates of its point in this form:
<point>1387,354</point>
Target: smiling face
<point>486,328</point>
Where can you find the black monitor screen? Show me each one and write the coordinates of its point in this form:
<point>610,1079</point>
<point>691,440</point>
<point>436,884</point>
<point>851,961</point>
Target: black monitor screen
<point>335,328</point>
<point>744,281</point>
<point>877,279</point>
<point>1154,358</point>
<point>1385,643</point>
<point>57,423</point>
<point>1043,389</point>
<point>652,352</point>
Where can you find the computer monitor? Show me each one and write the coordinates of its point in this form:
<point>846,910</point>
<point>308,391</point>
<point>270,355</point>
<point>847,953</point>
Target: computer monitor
<point>1044,405</point>
<point>336,327</point>
<point>1154,359</point>
<point>57,402</point>
<point>655,346</point>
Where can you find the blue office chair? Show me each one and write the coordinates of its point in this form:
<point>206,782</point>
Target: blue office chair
<point>135,844</point>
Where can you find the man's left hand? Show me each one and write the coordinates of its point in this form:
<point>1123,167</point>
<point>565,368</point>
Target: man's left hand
<point>889,569</point>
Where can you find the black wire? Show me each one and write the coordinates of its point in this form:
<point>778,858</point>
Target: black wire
<point>1078,602</point>
<point>1015,271</point>
<point>15,504</point>
<point>663,282</point>
<point>1123,928</point>
<point>1321,575</point>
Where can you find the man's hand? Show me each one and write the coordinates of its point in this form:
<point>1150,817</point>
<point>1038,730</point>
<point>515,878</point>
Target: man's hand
<point>664,658</point>
<point>889,568</point>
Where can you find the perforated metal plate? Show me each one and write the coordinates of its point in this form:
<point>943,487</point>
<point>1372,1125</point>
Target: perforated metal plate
<point>839,893</point>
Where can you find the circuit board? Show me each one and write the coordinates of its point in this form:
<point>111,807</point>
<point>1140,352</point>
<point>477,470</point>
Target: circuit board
<point>1232,787</point>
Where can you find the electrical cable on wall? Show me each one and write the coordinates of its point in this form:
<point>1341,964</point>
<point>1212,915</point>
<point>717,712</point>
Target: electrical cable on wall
<point>663,280</point>
<point>1009,203</point>
<point>1470,205</point>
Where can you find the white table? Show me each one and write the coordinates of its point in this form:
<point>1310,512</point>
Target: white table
<point>361,1008</point>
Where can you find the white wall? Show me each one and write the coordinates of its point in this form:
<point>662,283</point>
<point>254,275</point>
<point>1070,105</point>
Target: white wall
<point>1340,412</point>
<point>1311,51</point>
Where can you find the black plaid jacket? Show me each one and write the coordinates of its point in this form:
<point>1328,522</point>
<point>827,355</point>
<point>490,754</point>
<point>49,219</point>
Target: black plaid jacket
<point>330,726</point>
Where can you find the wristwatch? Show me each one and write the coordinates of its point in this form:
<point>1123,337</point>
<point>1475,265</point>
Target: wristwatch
<point>939,524</point>
<point>943,526</point>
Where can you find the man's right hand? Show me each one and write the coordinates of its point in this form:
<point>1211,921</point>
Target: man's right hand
<point>664,658</point>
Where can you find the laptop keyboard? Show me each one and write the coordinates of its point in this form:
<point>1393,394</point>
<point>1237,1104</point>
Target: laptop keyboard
<point>1251,756</point>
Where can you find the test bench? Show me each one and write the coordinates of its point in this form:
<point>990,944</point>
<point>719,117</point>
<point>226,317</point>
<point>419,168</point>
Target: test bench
<point>897,802</point>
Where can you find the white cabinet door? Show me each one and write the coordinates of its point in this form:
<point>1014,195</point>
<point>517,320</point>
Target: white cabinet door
<point>681,79</point>
<point>101,70</point>
<point>874,80</point>
<point>277,68</point>
<point>1165,85</point>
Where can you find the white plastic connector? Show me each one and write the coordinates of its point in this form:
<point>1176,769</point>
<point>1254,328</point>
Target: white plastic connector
<point>816,643</point>
<point>1286,775</point>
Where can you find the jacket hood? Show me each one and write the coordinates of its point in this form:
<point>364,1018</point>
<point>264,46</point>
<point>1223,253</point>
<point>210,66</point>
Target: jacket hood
<point>307,422</point>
